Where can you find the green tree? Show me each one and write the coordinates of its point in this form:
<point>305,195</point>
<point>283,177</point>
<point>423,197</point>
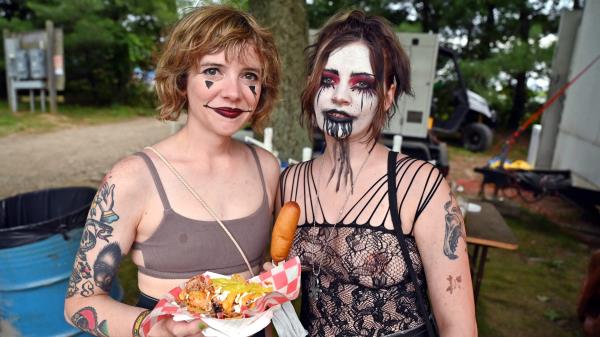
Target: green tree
<point>287,20</point>
<point>103,42</point>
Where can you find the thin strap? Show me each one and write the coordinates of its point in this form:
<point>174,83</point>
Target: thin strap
<point>260,172</point>
<point>436,183</point>
<point>157,182</point>
<point>392,191</point>
<point>204,204</point>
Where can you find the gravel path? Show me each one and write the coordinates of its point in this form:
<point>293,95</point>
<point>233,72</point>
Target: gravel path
<point>71,157</point>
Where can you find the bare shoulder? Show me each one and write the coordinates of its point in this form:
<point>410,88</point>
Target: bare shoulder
<point>132,176</point>
<point>269,164</point>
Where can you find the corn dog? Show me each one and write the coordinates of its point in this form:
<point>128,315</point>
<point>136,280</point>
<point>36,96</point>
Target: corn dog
<point>284,230</point>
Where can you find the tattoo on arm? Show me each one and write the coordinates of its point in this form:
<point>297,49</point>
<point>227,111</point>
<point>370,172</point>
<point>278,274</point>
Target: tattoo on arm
<point>107,265</point>
<point>453,283</point>
<point>455,228</point>
<point>86,319</point>
<point>99,226</point>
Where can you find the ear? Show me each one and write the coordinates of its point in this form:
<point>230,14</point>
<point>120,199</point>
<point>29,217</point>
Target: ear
<point>389,96</point>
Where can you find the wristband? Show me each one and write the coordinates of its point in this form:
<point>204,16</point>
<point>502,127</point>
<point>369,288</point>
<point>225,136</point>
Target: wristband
<point>137,324</point>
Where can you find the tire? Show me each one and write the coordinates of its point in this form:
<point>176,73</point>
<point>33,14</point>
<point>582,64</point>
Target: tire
<point>477,137</point>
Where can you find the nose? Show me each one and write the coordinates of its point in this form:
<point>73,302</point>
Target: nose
<point>341,95</point>
<point>232,88</point>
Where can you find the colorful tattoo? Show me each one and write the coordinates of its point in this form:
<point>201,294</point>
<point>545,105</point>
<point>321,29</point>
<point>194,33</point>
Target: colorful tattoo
<point>86,319</point>
<point>453,283</point>
<point>454,228</point>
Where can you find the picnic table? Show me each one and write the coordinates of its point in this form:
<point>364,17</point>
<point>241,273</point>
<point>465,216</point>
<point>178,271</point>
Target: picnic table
<point>486,229</point>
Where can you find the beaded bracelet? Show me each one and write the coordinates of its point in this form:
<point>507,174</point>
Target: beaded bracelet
<point>138,323</point>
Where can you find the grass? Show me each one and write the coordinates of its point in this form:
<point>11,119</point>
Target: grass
<point>533,291</point>
<point>67,116</point>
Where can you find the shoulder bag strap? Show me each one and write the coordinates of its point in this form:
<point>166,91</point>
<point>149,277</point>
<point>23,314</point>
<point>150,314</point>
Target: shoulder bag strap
<point>203,203</point>
<point>393,201</point>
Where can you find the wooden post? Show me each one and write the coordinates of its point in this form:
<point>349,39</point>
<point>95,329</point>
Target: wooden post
<point>51,78</point>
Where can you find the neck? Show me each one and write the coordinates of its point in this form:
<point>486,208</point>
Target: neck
<point>357,150</point>
<point>344,160</point>
<point>194,142</point>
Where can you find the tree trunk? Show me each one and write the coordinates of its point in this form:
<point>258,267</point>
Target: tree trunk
<point>519,100</point>
<point>428,17</point>
<point>489,29</point>
<point>520,93</point>
<point>288,22</point>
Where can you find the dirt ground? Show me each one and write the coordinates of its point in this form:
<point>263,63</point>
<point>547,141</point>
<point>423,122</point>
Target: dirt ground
<point>73,156</point>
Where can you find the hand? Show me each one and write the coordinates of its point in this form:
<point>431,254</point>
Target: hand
<point>170,328</point>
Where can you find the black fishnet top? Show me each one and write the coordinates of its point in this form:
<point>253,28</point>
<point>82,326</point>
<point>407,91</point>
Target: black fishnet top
<point>365,289</point>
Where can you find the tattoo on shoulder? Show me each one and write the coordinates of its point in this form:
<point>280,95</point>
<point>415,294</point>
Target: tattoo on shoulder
<point>453,283</point>
<point>455,228</point>
<point>86,319</point>
<point>98,226</point>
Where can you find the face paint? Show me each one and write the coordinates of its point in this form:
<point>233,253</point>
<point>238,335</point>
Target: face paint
<point>349,87</point>
<point>345,103</point>
<point>337,123</point>
<point>223,92</point>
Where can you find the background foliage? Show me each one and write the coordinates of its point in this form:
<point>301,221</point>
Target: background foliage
<point>505,45</point>
<point>103,42</point>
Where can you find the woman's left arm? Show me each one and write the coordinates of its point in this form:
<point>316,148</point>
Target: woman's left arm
<point>441,238</point>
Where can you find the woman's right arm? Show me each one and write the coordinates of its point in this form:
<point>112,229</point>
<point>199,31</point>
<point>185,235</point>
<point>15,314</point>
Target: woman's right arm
<point>109,233</point>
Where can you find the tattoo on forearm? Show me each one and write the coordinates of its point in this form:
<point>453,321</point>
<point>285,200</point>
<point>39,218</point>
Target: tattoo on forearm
<point>455,228</point>
<point>99,226</point>
<point>453,283</point>
<point>86,319</point>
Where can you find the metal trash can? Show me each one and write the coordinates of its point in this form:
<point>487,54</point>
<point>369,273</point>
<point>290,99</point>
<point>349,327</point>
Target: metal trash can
<point>39,237</point>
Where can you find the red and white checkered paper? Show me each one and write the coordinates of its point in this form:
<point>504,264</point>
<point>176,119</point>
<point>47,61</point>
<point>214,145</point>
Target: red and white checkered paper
<point>283,278</point>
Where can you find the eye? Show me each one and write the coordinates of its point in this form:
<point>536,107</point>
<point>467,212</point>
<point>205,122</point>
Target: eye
<point>211,71</point>
<point>250,76</point>
<point>362,85</point>
<point>327,82</point>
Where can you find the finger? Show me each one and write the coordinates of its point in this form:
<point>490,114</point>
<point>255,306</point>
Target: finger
<point>189,329</point>
<point>267,266</point>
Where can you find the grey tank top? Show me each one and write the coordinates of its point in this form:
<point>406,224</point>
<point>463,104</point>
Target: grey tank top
<point>182,247</point>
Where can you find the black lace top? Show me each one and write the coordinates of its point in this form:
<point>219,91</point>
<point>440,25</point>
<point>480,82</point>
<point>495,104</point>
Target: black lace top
<point>365,289</point>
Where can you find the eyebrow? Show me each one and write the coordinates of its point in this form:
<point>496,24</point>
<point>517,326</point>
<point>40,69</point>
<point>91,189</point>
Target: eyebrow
<point>211,65</point>
<point>256,70</point>
<point>332,71</point>
<point>361,74</point>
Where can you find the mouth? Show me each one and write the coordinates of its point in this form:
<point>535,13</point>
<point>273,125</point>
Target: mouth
<point>227,112</point>
<point>338,116</point>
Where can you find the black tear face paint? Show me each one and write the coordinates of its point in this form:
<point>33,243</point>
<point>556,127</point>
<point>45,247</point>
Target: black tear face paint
<point>346,103</point>
<point>208,84</point>
<point>253,89</point>
<point>337,123</point>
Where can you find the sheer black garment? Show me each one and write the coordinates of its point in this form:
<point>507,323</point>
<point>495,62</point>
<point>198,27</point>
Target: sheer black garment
<point>365,289</point>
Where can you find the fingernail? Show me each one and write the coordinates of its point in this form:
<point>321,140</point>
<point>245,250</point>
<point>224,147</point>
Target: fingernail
<point>202,326</point>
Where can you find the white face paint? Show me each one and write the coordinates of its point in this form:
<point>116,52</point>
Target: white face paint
<point>345,103</point>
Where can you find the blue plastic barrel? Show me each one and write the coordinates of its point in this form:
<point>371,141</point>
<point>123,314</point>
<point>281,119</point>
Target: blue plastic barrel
<point>34,276</point>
